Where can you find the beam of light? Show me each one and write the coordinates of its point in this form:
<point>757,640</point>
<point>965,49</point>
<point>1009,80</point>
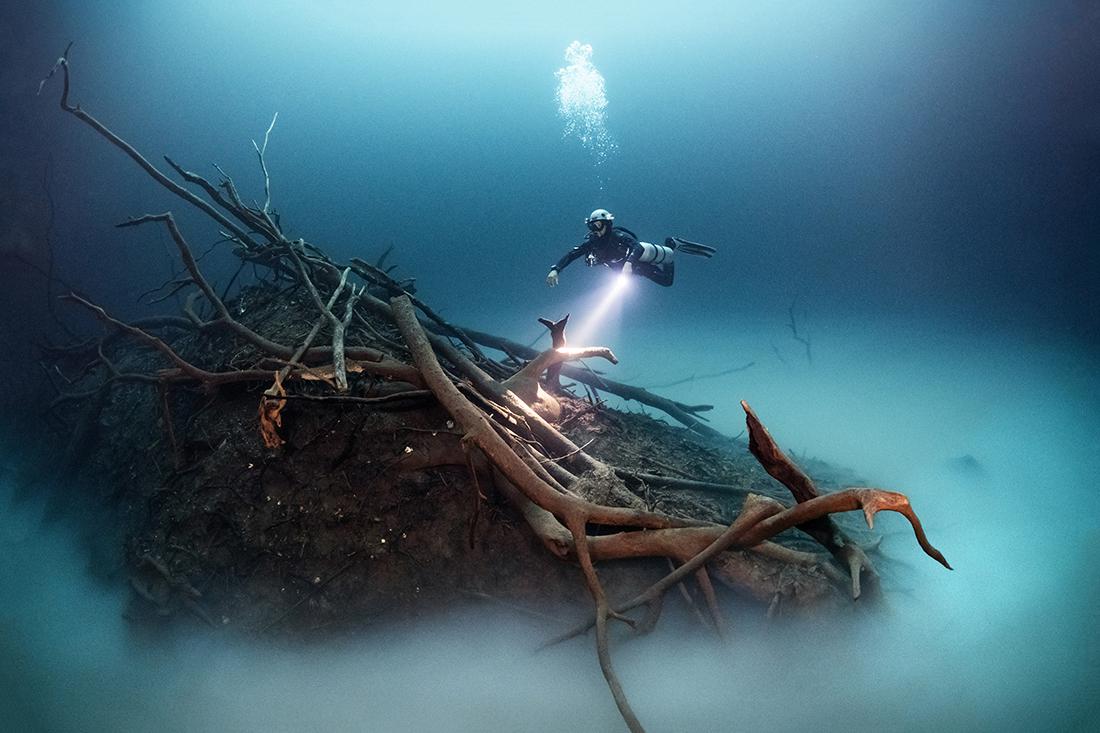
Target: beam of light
<point>608,305</point>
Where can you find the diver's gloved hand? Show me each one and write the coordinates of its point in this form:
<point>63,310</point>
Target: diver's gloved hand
<point>627,267</point>
<point>552,278</point>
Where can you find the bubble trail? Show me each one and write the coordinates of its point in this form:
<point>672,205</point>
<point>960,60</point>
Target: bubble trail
<point>582,101</point>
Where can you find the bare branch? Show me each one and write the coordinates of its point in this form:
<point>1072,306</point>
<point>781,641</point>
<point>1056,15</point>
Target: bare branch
<point>260,152</point>
<point>148,167</point>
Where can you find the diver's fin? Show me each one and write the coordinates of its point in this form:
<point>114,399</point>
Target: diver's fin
<point>692,248</point>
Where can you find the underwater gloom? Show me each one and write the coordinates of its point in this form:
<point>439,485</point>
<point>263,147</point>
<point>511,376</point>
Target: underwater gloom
<point>480,367</point>
<point>1007,641</point>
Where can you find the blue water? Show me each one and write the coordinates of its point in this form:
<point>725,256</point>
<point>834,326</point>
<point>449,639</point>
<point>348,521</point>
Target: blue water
<point>915,185</point>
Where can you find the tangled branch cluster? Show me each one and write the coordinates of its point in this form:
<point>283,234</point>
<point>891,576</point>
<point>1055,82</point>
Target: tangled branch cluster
<point>506,411</point>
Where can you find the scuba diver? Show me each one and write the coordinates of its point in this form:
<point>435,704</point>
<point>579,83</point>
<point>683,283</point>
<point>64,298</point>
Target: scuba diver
<point>619,249</point>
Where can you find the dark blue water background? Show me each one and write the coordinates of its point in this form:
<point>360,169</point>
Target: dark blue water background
<point>916,185</point>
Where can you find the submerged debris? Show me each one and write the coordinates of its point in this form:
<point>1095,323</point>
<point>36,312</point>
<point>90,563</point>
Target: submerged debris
<point>322,450</point>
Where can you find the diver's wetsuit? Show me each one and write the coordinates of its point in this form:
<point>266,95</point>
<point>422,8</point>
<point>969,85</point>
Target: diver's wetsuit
<point>613,249</point>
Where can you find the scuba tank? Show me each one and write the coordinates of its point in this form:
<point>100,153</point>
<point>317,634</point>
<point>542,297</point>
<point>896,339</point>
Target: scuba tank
<point>654,253</point>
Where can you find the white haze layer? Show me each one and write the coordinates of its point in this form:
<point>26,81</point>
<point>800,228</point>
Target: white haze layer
<point>1007,641</point>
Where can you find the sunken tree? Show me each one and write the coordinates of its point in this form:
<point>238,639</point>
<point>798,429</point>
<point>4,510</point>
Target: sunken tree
<point>317,448</point>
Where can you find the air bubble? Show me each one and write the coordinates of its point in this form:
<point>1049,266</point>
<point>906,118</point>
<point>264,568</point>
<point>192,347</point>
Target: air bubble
<point>582,101</point>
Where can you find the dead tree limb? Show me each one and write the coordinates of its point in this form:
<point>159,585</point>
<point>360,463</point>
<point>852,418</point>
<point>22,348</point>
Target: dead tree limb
<point>526,383</point>
<point>823,529</point>
<point>373,274</point>
<point>148,167</point>
<point>804,340</point>
<point>573,512</point>
<point>479,430</point>
<point>685,414</point>
<point>557,341</point>
<point>263,166</point>
<point>380,362</point>
<point>561,520</point>
<point>760,518</point>
<point>208,379</point>
<point>339,325</point>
